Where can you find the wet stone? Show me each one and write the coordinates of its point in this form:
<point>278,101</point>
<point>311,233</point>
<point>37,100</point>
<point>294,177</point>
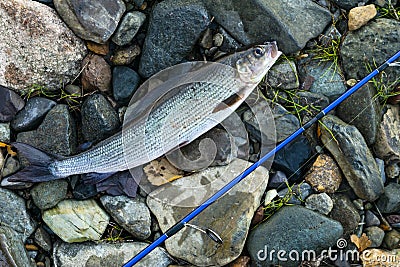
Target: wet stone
<point>371,219</point>
<point>257,21</point>
<point>103,254</point>
<point>283,76</point>
<point>128,27</point>
<point>389,201</point>
<point>11,104</point>
<point>387,145</point>
<point>99,119</point>
<point>77,221</point>
<point>320,202</point>
<point>347,4</point>
<point>10,166</point>
<point>376,235</point>
<point>46,195</point>
<point>126,55</point>
<point>5,132</point>
<point>353,157</point>
<point>391,239</point>
<point>363,112</point>
<point>309,229</point>
<point>96,74</point>
<point>125,81</point>
<point>36,47</point>
<point>14,214</point>
<point>277,179</point>
<point>32,114</point>
<point>12,251</point>
<point>61,125</point>
<point>292,158</point>
<point>131,214</point>
<point>384,34</point>
<point>84,191</point>
<point>94,21</point>
<point>327,79</point>
<point>346,213</point>
<point>232,214</point>
<point>43,239</point>
<point>313,102</point>
<point>214,148</point>
<point>299,193</point>
<point>324,175</point>
<point>167,42</point>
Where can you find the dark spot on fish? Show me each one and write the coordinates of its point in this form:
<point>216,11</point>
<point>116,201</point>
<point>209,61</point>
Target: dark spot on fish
<point>230,101</point>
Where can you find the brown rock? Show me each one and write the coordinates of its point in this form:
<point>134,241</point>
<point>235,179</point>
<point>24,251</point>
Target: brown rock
<point>324,175</point>
<point>125,56</point>
<point>359,16</point>
<point>101,49</point>
<point>96,74</point>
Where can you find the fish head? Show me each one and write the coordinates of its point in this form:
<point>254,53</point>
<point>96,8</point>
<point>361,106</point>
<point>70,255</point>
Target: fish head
<point>254,63</point>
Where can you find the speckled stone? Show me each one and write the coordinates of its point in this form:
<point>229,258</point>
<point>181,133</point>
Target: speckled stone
<point>324,175</point>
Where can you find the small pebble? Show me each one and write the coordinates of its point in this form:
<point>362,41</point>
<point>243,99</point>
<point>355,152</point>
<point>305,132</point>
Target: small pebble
<point>359,16</point>
<point>73,90</point>
<point>277,179</point>
<point>125,56</point>
<point>270,195</point>
<point>125,82</point>
<point>376,235</point>
<point>320,202</point>
<point>96,74</point>
<point>218,39</point>
<point>371,219</point>
<point>101,49</point>
<point>128,27</point>
<point>391,240</point>
<point>5,132</point>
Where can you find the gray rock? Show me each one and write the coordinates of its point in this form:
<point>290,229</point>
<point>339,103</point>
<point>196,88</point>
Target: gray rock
<point>12,250</point>
<point>292,228</point>
<point>131,214</point>
<point>392,169</point>
<point>214,148</point>
<point>381,166</point>
<point>11,166</point>
<point>56,134</point>
<point>76,221</point>
<point>391,239</point>
<point>94,21</point>
<point>384,3</point>
<point>12,103</point>
<point>285,123</point>
<point>290,23</point>
<point>299,193</point>
<point>125,81</point>
<point>362,111</point>
<point>167,42</point>
<point>346,213</point>
<point>125,55</point>
<point>327,79</point>
<point>277,179</point>
<point>387,145</point>
<point>389,202</point>
<point>99,119</point>
<point>347,4</point>
<point>14,214</point>
<point>320,202</point>
<point>353,157</point>
<point>283,76</point>
<point>128,27</point>
<point>46,195</point>
<point>371,219</point>
<point>103,254</point>
<point>313,102</point>
<point>25,27</point>
<point>5,132</point>
<point>354,52</point>
<point>376,235</point>
<point>42,238</point>
<point>32,114</point>
<point>231,216</point>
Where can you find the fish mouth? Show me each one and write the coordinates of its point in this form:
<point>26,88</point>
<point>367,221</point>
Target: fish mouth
<point>272,49</point>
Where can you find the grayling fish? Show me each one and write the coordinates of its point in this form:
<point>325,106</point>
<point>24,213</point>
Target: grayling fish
<point>176,106</point>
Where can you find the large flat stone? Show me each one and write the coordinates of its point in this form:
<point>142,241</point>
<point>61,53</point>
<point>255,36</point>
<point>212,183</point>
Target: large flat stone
<point>230,216</point>
<point>353,156</point>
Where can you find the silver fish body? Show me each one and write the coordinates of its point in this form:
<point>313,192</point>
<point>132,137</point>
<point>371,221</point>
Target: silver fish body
<point>186,107</point>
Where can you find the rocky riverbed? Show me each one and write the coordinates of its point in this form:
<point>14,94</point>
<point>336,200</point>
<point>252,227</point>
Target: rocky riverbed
<point>69,68</point>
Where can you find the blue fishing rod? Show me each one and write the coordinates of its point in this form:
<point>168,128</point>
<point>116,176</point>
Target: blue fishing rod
<point>185,221</point>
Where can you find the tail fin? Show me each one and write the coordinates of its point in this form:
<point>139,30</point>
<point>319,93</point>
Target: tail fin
<point>38,170</point>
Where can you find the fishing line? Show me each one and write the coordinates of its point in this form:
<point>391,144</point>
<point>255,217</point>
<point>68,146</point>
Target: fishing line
<point>182,223</point>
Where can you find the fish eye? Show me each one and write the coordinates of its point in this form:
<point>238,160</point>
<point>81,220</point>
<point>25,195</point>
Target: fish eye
<point>258,52</point>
